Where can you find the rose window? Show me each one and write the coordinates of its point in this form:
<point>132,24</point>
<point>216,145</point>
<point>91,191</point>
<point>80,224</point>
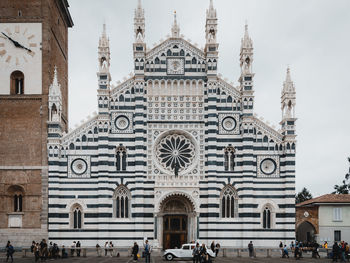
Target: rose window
<point>175,150</point>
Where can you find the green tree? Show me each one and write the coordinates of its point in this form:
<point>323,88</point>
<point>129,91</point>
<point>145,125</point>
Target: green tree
<point>345,187</point>
<point>302,196</point>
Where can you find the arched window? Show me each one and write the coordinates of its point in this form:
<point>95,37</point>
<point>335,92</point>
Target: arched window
<point>267,220</point>
<point>229,158</point>
<point>229,202</point>
<point>16,192</point>
<point>121,202</point>
<point>77,216</point>
<point>17,200</point>
<point>17,83</point>
<point>121,158</point>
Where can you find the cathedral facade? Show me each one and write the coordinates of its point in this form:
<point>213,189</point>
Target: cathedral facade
<point>174,154</point>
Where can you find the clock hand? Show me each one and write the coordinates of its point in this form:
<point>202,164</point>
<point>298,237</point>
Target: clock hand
<point>16,43</point>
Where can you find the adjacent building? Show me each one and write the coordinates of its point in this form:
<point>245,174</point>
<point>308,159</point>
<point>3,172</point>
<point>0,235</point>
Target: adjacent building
<point>33,40</point>
<point>324,218</point>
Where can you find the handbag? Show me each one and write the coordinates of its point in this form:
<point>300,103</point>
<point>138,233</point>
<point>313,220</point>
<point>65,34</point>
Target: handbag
<point>138,255</point>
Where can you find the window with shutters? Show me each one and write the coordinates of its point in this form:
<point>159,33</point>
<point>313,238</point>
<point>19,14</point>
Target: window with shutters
<point>337,214</point>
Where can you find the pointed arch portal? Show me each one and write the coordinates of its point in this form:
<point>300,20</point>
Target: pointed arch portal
<point>177,220</point>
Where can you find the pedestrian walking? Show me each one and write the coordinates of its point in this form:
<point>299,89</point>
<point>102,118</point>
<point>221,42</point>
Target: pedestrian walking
<point>285,252</point>
<point>36,251</point>
<point>196,253</point>
<point>251,249</point>
<point>135,251</point>
<point>9,251</point>
<point>148,250</point>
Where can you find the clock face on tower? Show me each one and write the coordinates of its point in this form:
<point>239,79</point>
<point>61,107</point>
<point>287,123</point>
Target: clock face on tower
<point>20,50</point>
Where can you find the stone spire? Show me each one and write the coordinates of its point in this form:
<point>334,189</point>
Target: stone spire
<point>139,23</point>
<point>246,40</point>
<point>175,29</point>
<point>288,97</point>
<point>247,75</point>
<point>103,51</point>
<point>246,54</point>
<point>211,24</point>
<point>55,99</point>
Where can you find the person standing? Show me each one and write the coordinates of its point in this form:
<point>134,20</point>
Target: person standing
<point>196,253</point>
<point>98,250</point>
<point>36,251</point>
<point>212,246</point>
<point>106,248</point>
<point>72,249</point>
<point>9,251</point>
<point>251,249</point>
<point>281,247</point>
<point>135,251</point>
<point>111,248</point>
<point>78,248</point>
<point>217,248</point>
<point>204,254</point>
<point>335,251</point>
<point>43,250</point>
<point>147,249</point>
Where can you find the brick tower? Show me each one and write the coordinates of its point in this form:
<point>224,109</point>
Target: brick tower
<point>33,41</point>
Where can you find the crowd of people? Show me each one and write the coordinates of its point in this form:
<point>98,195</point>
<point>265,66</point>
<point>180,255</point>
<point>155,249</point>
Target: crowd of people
<point>43,251</point>
<point>339,250</point>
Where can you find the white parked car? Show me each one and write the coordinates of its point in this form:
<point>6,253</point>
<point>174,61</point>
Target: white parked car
<point>185,252</point>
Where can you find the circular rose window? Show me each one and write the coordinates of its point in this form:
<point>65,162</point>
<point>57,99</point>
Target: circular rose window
<point>175,152</point>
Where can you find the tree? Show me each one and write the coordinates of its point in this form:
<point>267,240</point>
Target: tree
<point>303,195</point>
<point>345,187</point>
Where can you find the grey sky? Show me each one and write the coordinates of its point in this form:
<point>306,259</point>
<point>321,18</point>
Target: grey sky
<point>310,36</point>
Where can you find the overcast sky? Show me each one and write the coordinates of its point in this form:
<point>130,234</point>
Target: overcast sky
<point>312,37</point>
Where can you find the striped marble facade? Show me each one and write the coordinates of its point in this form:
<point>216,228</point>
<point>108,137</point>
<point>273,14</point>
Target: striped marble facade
<point>113,179</point>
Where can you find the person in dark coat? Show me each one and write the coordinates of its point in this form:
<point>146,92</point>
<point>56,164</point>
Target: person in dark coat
<point>78,245</point>
<point>135,251</point>
<point>212,246</point>
<point>9,251</point>
<point>251,249</point>
<point>335,251</point>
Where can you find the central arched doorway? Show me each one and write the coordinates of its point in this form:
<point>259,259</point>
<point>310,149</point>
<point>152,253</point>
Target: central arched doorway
<point>178,221</point>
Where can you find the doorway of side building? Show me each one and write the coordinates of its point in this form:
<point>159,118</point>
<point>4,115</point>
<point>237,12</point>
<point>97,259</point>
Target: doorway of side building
<point>306,232</point>
<point>174,231</point>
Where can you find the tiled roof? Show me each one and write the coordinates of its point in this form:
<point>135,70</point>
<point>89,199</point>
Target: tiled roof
<point>328,198</point>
